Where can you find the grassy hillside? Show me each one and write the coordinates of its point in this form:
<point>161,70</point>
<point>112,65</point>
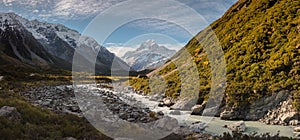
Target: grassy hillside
<point>261,43</point>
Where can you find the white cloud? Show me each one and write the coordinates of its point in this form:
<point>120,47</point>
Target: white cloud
<point>66,10</point>
<point>175,47</point>
<point>7,2</point>
<point>82,9</point>
<point>59,9</point>
<point>73,9</point>
<point>120,49</point>
<point>35,11</point>
<point>152,15</point>
<point>32,3</point>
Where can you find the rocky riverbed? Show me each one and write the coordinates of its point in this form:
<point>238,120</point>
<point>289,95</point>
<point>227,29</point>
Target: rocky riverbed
<point>126,105</point>
<point>61,99</point>
<point>134,107</point>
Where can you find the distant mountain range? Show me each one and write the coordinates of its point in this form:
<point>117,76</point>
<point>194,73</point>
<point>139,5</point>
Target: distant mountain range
<point>148,55</point>
<point>42,44</point>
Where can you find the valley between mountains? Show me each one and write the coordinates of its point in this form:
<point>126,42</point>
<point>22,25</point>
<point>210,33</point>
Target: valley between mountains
<point>41,99</point>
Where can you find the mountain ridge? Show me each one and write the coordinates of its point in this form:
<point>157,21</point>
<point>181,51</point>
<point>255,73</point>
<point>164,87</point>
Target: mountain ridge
<point>148,55</point>
<point>19,44</point>
<point>61,42</point>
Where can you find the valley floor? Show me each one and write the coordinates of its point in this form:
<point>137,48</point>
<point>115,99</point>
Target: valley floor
<point>127,105</point>
<point>49,109</point>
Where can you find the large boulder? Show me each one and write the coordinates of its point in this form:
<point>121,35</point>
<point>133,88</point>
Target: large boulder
<point>228,115</point>
<point>293,122</point>
<point>296,133</point>
<point>184,104</point>
<point>167,123</point>
<point>297,129</point>
<point>212,111</point>
<point>198,109</point>
<point>168,102</point>
<point>239,126</point>
<point>197,127</point>
<point>286,118</point>
<point>161,104</point>
<point>10,113</point>
<point>175,112</point>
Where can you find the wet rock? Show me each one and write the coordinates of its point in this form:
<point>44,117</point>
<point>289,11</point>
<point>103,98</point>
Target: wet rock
<point>286,118</point>
<point>186,133</point>
<point>168,102</point>
<point>166,123</point>
<point>175,112</point>
<point>212,111</point>
<point>197,127</point>
<point>10,113</point>
<point>296,135</point>
<point>184,104</point>
<point>160,113</point>
<point>297,129</point>
<point>198,109</point>
<point>161,104</point>
<point>294,122</point>
<point>228,115</point>
<point>237,126</point>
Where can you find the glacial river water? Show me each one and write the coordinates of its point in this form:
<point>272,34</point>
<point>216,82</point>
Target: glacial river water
<point>215,124</point>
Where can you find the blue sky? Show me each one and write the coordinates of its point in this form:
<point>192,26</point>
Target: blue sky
<point>77,14</point>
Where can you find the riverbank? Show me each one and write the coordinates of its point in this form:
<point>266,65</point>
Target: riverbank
<point>136,108</point>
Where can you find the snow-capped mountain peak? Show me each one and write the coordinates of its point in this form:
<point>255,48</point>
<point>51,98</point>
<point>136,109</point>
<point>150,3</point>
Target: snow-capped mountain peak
<point>60,41</point>
<point>149,44</point>
<point>148,55</point>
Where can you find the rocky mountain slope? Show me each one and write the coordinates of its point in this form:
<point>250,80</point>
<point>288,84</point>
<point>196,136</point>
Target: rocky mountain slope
<point>148,55</point>
<point>61,42</point>
<point>261,44</point>
<point>19,47</point>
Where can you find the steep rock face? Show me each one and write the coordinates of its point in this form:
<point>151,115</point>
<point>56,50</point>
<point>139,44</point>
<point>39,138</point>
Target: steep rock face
<point>283,114</point>
<point>148,55</point>
<point>258,109</point>
<point>61,42</point>
<point>18,45</point>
